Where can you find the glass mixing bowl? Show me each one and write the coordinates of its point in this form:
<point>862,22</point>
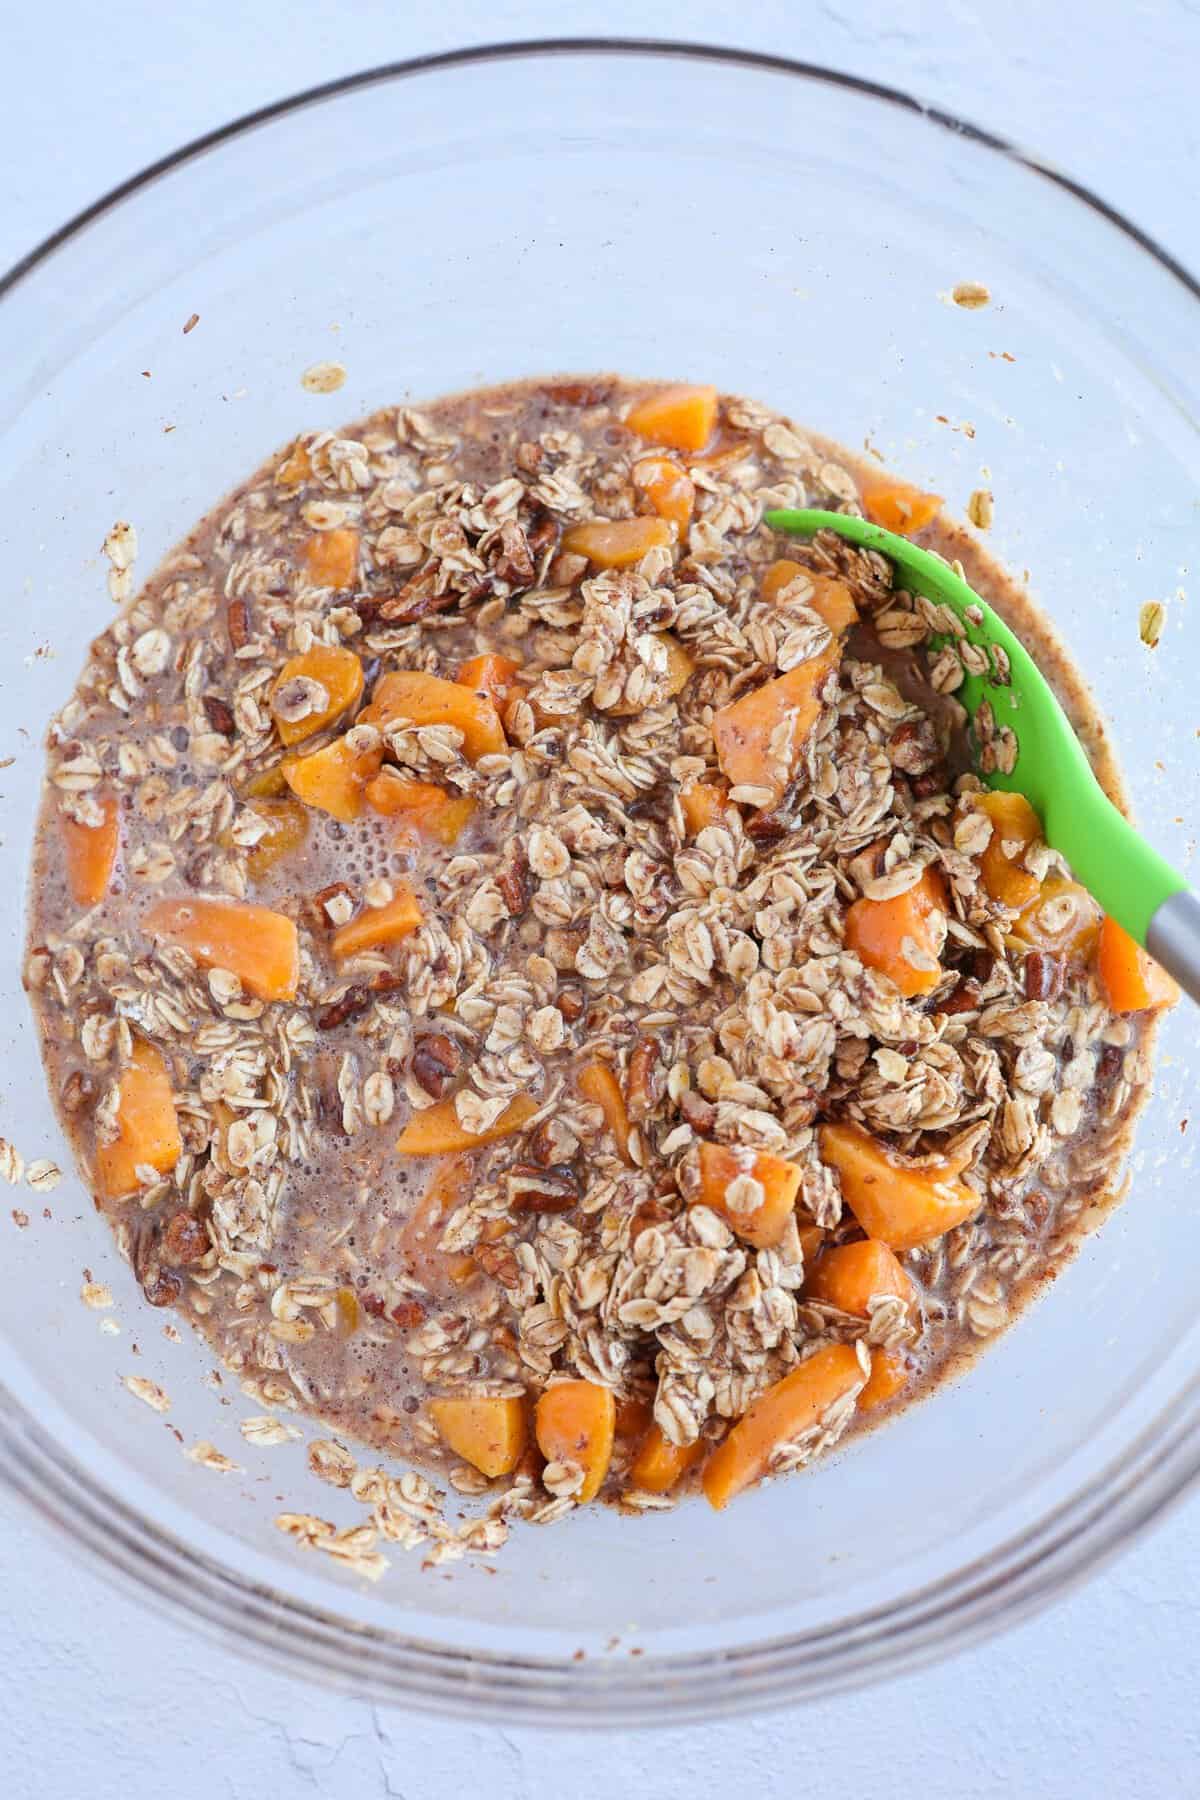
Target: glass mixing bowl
<point>670,212</point>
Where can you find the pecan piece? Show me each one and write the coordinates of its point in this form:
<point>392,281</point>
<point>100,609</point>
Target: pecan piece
<point>436,1060</point>
<point>646,1080</point>
<point>700,1113</point>
<point>408,1313</point>
<point>514,880</point>
<point>346,1006</point>
<point>219,715</point>
<point>1112,1061</point>
<point>965,998</point>
<point>416,600</point>
<point>333,905</point>
<point>237,623</point>
<point>161,1287</point>
<point>184,1240</point>
<point>576,393</point>
<point>767,827</point>
<point>498,1261</point>
<point>542,533</point>
<point>1042,975</point>
<point>570,1002</point>
<point>76,1091</point>
<point>533,1190</point>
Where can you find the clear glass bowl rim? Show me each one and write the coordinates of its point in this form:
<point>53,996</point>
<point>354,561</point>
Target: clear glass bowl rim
<point>1019,1577</point>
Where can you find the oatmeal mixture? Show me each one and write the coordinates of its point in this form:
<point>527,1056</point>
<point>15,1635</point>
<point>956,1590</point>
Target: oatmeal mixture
<point>528,972</point>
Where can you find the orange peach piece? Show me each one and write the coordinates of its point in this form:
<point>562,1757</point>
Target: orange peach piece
<point>287,828</point>
<point>759,736</point>
<point>634,1418</point>
<point>334,778</point>
<point>598,1083</point>
<point>337,670</point>
<point>830,599</point>
<point>897,937</point>
<point>704,803</point>
<point>850,1276</point>
<point>296,467</point>
<point>670,492</point>
<point>147,1129</point>
<point>491,675</point>
<point>1131,980</point>
<point>890,1372</point>
<point>659,1463</point>
<point>257,945</point>
<point>1015,826</point>
<point>765,1223</point>
<point>617,543</point>
<point>378,926</point>
<point>331,558</point>
<point>792,1406</point>
<point>407,694</point>
<point>432,811</point>
<point>897,506</point>
<point>902,1206</point>
<point>1063,919</point>
<point>91,852</point>
<point>487,1432</point>
<point>575,1422</point>
<point>681,417</point>
<point>436,1131</point>
<point>680,667</point>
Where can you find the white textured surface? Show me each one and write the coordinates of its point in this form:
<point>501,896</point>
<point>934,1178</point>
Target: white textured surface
<point>99,1698</point>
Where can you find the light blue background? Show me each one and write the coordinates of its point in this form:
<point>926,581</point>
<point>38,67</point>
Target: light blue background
<point>1098,1697</point>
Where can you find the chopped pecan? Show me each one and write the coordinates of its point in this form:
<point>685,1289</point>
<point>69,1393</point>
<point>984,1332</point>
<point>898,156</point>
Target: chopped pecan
<point>1112,1061</point>
<point>534,1190</point>
<point>570,1002</point>
<point>700,1113</point>
<point>577,393</point>
<point>646,1080</point>
<point>529,457</point>
<point>161,1287</point>
<point>965,998</point>
<point>1042,975</point>
<point>551,1142</point>
<point>325,904</point>
<point>498,1261</point>
<point>513,878</point>
<point>184,1239</point>
<point>346,1006</point>
<point>237,623</point>
<point>768,826</point>
<point>408,1313</point>
<point>650,1212</point>
<point>913,747</point>
<point>542,533</point>
<point>933,781</point>
<point>566,569</point>
<point>371,1303</point>
<point>514,564</point>
<point>219,715</point>
<point>416,600</point>
<point>436,1060</point>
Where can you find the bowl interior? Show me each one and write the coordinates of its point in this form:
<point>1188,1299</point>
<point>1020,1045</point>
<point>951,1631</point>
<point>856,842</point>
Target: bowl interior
<point>788,237</point>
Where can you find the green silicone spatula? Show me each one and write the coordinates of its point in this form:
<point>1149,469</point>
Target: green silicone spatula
<point>1131,881</point>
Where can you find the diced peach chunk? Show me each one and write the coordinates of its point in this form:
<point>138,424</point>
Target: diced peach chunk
<point>428,700</point>
<point>1015,826</point>
<point>764,1222</point>
<point>257,945</point>
<point>890,1372</point>
<point>617,543</point>
<point>576,1423</point>
<point>659,1463</point>
<point>792,1406</point>
<point>901,1205</point>
<point>1063,919</point>
<point>333,779</point>
<point>851,1275</point>
<point>897,506</point>
<point>829,598</point>
<point>430,810</point>
<point>703,803</point>
<point>681,417</point>
<point>598,1083</point>
<point>91,851</point>
<point>760,735</point>
<point>331,558</point>
<point>147,1128</point>
<point>670,492</point>
<point>287,828</point>
<point>378,926</point>
<point>296,467</point>
<point>1131,980</point>
<point>487,1432</point>
<point>634,1417</point>
<point>436,1131</point>
<point>335,670</point>
<point>902,937</point>
<point>491,675</point>
<point>680,667</point>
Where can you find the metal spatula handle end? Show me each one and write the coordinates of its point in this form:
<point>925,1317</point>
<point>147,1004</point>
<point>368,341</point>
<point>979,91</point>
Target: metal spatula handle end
<point>1173,939</point>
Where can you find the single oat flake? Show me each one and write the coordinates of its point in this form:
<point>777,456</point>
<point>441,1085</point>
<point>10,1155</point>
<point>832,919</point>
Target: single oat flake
<point>1151,619</point>
<point>971,295</point>
<point>148,1392</point>
<point>980,509</point>
<point>323,378</point>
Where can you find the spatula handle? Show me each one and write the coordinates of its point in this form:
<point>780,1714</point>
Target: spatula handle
<point>1173,939</point>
